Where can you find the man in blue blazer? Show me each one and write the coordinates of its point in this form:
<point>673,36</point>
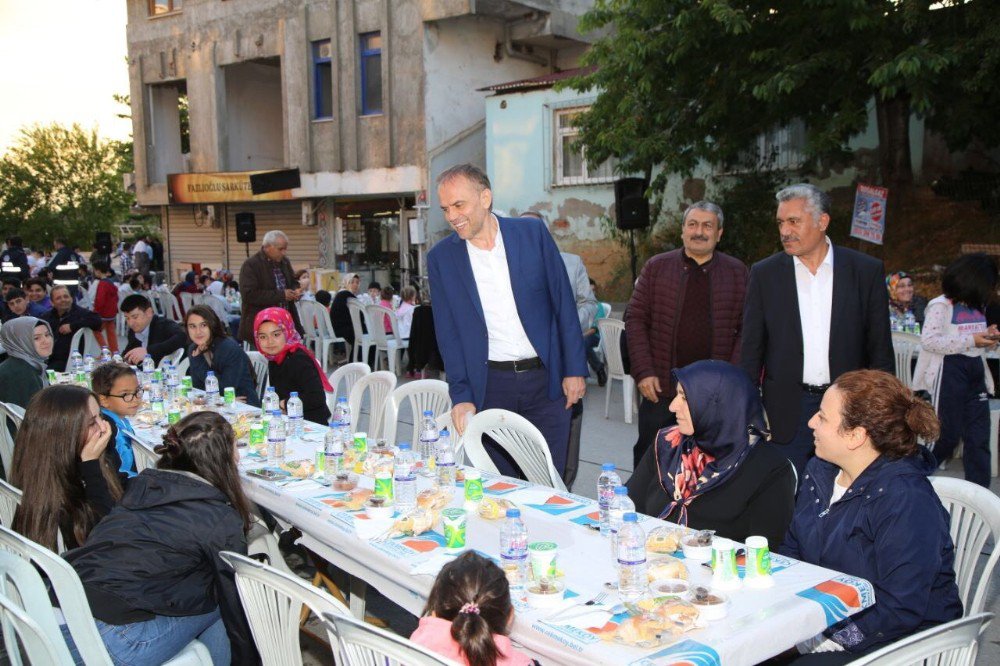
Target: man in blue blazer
<point>505,316</point>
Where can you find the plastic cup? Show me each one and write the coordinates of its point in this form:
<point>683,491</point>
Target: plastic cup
<point>758,563</point>
<point>173,416</point>
<point>542,556</point>
<point>473,488</point>
<point>454,522</point>
<point>383,485</point>
<point>257,435</point>
<point>724,573</point>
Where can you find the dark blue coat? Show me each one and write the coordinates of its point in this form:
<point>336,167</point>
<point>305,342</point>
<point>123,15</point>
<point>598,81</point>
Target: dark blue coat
<point>545,305</point>
<point>231,366</point>
<point>891,529</point>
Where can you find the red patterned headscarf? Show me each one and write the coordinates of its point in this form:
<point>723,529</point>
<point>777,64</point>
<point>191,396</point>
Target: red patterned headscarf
<point>293,341</point>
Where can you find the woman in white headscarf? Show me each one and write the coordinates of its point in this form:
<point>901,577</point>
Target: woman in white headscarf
<point>28,343</point>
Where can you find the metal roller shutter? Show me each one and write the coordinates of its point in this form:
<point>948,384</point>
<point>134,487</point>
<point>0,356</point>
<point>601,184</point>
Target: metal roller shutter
<point>303,242</point>
<point>188,242</point>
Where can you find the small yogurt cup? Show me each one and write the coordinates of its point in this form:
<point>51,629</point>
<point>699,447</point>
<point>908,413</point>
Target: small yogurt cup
<point>382,511</point>
<point>715,607</point>
<point>694,552</point>
<point>550,598</point>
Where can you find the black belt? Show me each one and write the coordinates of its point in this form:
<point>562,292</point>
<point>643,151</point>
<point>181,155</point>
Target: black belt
<point>814,388</point>
<point>520,365</point>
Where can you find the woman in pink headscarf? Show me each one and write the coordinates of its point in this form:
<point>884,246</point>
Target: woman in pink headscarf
<point>291,367</point>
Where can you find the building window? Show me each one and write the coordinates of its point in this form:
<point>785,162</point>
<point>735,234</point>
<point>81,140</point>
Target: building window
<point>571,162</point>
<point>781,148</point>
<point>371,73</point>
<point>157,7</point>
<point>322,79</point>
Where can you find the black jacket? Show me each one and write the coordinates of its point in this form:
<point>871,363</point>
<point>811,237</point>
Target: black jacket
<point>340,316</point>
<point>758,501</point>
<point>17,257</point>
<point>77,318</point>
<point>165,337</point>
<point>298,373</point>
<point>157,553</point>
<point>772,331</point>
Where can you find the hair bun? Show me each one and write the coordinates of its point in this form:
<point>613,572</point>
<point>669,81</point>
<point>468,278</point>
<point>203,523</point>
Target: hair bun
<point>171,443</point>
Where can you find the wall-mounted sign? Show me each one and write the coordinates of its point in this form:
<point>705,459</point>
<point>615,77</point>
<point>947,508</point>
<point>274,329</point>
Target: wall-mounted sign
<point>868,222</point>
<point>229,187</point>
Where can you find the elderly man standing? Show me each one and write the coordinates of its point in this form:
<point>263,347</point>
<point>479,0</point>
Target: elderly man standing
<point>505,316</point>
<point>65,319</point>
<point>813,312</point>
<point>267,280</point>
<point>687,306</point>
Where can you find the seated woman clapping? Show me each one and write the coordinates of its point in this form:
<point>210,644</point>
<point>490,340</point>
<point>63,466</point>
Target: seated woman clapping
<point>866,508</point>
<point>211,348</point>
<point>715,470</point>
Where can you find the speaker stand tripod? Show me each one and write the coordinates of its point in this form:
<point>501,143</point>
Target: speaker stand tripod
<point>248,255</point>
<point>631,241</point>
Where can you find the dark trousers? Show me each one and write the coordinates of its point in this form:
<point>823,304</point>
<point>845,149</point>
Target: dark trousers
<point>526,393</point>
<point>573,450</point>
<point>802,447</point>
<point>590,343</point>
<point>964,411</point>
<point>653,416</point>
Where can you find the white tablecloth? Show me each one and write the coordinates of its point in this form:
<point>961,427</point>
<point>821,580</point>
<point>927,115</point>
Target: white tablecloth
<point>804,600</point>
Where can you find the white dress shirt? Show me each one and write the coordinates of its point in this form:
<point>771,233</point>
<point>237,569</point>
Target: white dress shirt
<point>815,307</point>
<point>507,339</point>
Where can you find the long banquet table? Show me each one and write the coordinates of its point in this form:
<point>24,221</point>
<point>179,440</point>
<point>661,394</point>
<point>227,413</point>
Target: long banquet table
<point>803,601</point>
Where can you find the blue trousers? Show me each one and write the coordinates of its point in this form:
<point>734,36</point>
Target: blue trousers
<point>162,638</point>
<point>964,411</point>
<point>526,393</point>
<point>802,447</point>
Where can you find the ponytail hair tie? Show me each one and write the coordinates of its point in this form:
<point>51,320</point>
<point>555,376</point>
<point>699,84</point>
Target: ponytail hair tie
<point>171,443</point>
<point>469,609</point>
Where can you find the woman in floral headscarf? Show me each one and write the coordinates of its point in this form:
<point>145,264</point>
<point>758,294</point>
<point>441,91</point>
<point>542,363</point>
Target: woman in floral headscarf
<point>902,299</point>
<point>291,367</point>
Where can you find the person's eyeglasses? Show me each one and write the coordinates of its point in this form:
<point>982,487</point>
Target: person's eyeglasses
<point>127,397</point>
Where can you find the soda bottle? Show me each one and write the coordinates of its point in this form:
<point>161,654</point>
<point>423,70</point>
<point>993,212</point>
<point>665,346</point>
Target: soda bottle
<point>514,548</point>
<point>88,364</point>
<point>211,389</point>
<point>333,446</point>
<point>620,505</point>
<point>271,401</point>
<point>631,555</point>
<point>275,438</point>
<point>405,478</point>
<point>76,362</point>
<point>606,484</point>
<point>428,443</point>
<point>296,421</point>
<point>105,355</point>
<point>445,458</point>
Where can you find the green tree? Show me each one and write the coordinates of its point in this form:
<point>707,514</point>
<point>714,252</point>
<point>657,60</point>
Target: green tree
<point>683,81</point>
<point>59,181</point>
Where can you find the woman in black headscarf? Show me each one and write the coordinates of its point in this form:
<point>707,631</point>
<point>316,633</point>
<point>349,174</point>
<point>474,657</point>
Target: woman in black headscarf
<point>715,470</point>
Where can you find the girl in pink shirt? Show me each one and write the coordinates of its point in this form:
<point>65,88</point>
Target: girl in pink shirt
<point>468,615</point>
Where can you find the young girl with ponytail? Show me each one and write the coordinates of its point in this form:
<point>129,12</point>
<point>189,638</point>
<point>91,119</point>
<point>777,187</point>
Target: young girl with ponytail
<point>468,615</point>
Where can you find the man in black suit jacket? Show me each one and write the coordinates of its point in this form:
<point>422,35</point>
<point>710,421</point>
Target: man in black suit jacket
<point>812,313</point>
<point>149,333</point>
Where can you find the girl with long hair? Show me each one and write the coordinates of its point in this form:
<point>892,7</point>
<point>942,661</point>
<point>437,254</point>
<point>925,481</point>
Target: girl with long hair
<point>211,348</point>
<point>151,568</point>
<point>60,466</point>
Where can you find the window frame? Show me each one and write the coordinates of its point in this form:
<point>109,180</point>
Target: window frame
<point>363,54</point>
<point>559,179</point>
<point>151,8</point>
<point>318,85</point>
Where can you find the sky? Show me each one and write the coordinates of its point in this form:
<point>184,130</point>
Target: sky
<point>62,62</point>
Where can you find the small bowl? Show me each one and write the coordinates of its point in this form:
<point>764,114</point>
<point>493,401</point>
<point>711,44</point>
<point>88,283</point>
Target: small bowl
<point>551,598</point>
<point>694,552</point>
<point>669,587</point>
<point>715,607</point>
<point>344,481</point>
<point>379,510</point>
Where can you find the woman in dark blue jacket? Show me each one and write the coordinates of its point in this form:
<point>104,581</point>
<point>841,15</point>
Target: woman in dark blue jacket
<point>866,508</point>
<point>212,349</point>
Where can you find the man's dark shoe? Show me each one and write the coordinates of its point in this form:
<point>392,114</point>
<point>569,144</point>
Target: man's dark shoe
<point>602,377</point>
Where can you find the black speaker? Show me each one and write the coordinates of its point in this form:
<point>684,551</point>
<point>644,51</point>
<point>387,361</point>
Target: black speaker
<point>631,204</point>
<point>102,242</point>
<point>246,228</point>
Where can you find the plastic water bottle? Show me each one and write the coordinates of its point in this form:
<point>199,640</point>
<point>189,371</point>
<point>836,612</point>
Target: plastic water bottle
<point>173,376</point>
<point>211,389</point>
<point>296,421</point>
<point>514,548</point>
<point>76,362</point>
<point>156,396</point>
<point>148,365</point>
<point>105,355</point>
<point>275,439</point>
<point>909,322</point>
<point>445,458</point>
<point>428,443</point>
<point>344,422</point>
<point>271,401</point>
<point>606,484</point>
<point>405,478</point>
<point>88,364</point>
<point>631,555</point>
<point>333,446</point>
<point>117,358</point>
<point>620,505</point>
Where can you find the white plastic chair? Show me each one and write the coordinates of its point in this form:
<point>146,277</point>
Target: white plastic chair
<point>145,457</point>
<point>68,590</point>
<point>169,306</point>
<point>994,436</point>
<point>10,498</point>
<point>90,345</point>
<point>360,643</point>
<point>316,319</point>
<point>218,306</point>
<point>904,348</point>
<point>954,643</point>
<point>308,325</point>
<point>362,341</point>
<point>975,516</point>
<point>188,299</point>
<point>274,603</point>
<point>26,613</point>
<point>516,435</point>
<point>611,332</point>
<point>378,385</point>
<point>174,357</point>
<point>183,366</point>
<point>349,374</point>
<point>390,343</point>
<point>259,366</point>
<point>422,395</point>
<point>9,414</point>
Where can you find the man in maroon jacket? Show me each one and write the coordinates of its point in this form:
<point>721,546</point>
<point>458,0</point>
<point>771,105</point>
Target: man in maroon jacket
<point>687,306</point>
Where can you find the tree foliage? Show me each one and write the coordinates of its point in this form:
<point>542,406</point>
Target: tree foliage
<point>684,81</point>
<point>59,181</point>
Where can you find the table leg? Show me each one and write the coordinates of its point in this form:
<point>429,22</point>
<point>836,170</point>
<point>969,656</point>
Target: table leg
<point>358,589</point>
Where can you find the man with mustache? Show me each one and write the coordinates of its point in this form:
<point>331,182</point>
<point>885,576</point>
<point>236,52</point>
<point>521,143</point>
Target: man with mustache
<point>813,312</point>
<point>687,306</point>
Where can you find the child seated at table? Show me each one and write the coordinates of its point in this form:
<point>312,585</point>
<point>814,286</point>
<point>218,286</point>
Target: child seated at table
<point>120,397</point>
<point>468,615</point>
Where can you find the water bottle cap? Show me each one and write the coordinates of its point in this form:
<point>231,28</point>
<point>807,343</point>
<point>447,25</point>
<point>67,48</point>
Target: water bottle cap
<point>513,513</point>
<point>608,467</point>
<point>271,389</point>
<point>428,412</point>
<point>630,518</point>
<point>621,490</point>
<point>404,446</point>
<point>341,399</point>
<point>210,372</point>
<point>149,356</point>
<point>276,413</point>
<point>293,394</point>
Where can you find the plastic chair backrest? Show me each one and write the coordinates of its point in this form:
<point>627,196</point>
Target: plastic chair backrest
<point>10,498</point>
<point>174,357</point>
<point>975,516</point>
<point>145,457</point>
<point>90,345</point>
<point>349,374</point>
<point>183,366</point>
<point>38,647</point>
<point>376,317</point>
<point>307,320</point>
<point>904,349</point>
<point>422,395</point>
<point>218,305</point>
<point>169,306</point>
<point>273,604</point>
<point>378,385</point>
<point>10,415</point>
<point>516,435</point>
<point>360,643</point>
<point>321,316</point>
<point>357,311</point>
<point>23,589</point>
<point>188,299</point>
<point>954,643</point>
<point>259,366</point>
<point>611,332</point>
